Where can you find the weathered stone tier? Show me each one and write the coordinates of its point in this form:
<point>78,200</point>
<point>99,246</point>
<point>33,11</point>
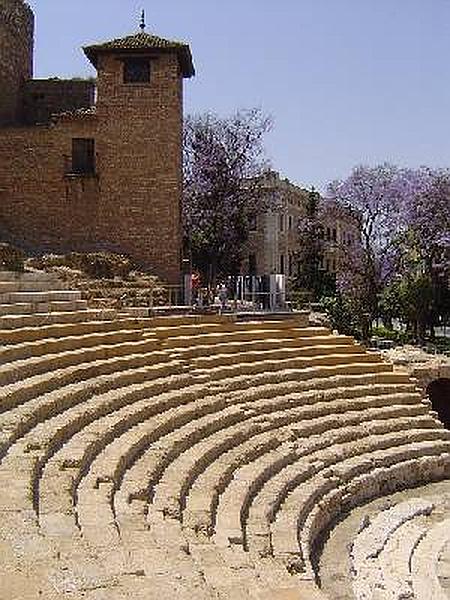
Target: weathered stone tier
<point>202,457</point>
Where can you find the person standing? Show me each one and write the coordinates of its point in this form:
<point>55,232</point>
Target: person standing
<point>223,297</point>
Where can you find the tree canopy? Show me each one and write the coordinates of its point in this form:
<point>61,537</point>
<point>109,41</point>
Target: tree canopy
<point>224,161</point>
<point>400,266</point>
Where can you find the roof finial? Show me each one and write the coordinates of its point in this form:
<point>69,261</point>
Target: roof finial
<point>142,23</point>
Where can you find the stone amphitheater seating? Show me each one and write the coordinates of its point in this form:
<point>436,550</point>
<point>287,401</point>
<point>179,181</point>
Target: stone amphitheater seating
<point>202,457</point>
<point>397,554</point>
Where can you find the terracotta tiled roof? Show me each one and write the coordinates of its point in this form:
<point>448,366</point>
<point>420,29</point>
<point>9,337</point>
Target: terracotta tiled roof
<point>144,41</point>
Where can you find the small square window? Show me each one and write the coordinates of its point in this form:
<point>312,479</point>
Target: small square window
<point>136,70</point>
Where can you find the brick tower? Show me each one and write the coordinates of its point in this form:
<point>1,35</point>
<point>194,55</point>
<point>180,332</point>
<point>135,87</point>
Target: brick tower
<point>16,56</point>
<point>139,146</point>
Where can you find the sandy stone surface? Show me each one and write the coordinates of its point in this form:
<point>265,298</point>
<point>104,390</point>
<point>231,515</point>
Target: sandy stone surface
<point>336,566</point>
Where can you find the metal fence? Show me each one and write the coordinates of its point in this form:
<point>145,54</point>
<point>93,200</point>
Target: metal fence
<point>239,293</point>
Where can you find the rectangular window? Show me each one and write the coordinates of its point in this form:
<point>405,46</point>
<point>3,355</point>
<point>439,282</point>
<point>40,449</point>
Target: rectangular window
<point>281,222</point>
<point>334,235</point>
<point>252,264</point>
<point>252,223</point>
<point>136,70</point>
<point>83,156</point>
<point>282,264</point>
<point>290,222</point>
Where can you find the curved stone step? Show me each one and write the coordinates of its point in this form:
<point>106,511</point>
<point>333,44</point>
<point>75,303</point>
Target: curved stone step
<point>21,370</point>
<point>262,343</point>
<point>33,450</point>
<point>277,354</point>
<point>424,564</point>
<point>44,319</point>
<point>443,568</point>
<point>37,348</point>
<point>111,427</point>
<point>170,494</point>
<point>250,504</point>
<point>40,297</point>
<point>15,394</point>
<point>203,493</point>
<point>30,285</point>
<point>353,481</point>
<point>30,337</point>
<point>180,439</point>
<point>311,393</point>
<point>28,276</point>
<point>19,421</point>
<point>335,363</point>
<point>395,560</point>
<point>118,454</point>
<point>36,308</point>
<point>235,335</point>
<point>370,543</point>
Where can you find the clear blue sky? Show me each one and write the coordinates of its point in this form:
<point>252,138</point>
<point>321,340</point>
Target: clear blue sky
<point>346,81</point>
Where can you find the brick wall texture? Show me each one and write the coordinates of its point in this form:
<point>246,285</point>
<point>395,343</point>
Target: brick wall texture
<point>132,204</point>
<point>44,97</point>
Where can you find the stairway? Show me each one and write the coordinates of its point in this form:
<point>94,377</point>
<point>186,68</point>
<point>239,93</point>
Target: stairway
<point>37,298</point>
<point>193,457</point>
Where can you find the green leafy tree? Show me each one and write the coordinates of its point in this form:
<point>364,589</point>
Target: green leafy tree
<point>224,161</point>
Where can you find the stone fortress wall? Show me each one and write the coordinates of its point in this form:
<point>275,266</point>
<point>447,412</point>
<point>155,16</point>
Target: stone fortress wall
<point>130,201</point>
<point>44,97</point>
<point>16,56</point>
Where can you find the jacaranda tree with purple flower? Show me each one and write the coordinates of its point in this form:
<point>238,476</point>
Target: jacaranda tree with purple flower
<point>402,254</point>
<point>376,194</point>
<point>224,161</point>
<point>421,262</point>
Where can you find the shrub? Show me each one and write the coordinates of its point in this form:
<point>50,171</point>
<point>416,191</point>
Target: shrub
<point>102,265</point>
<point>98,265</point>
<point>341,315</point>
<point>47,261</point>
<point>399,337</point>
<point>300,299</point>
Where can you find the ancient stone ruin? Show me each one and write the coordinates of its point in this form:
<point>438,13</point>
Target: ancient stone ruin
<point>188,457</point>
<point>210,458</point>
